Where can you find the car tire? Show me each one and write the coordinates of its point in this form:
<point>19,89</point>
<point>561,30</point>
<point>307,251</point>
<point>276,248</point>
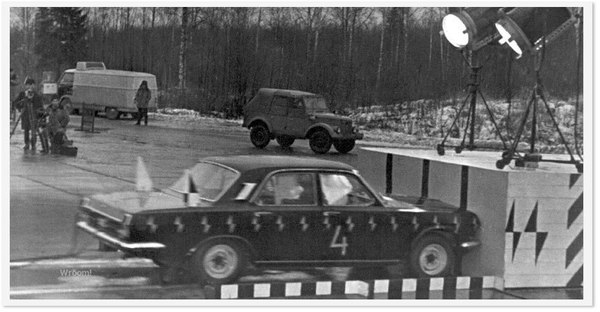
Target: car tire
<point>344,146</point>
<point>320,142</point>
<point>112,113</point>
<point>260,136</point>
<point>219,261</point>
<point>433,256</point>
<point>285,141</point>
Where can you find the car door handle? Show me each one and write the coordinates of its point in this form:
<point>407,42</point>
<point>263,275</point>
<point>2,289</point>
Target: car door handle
<point>329,213</point>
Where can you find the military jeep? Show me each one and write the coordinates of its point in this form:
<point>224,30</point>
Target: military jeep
<point>287,115</point>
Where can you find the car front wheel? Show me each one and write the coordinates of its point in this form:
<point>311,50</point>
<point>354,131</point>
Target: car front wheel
<point>219,262</point>
<point>433,256</point>
<point>259,135</point>
<point>344,146</point>
<point>320,142</point>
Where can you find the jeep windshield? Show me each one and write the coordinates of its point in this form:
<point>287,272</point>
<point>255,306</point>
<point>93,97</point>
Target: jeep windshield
<point>316,105</point>
<point>209,180</point>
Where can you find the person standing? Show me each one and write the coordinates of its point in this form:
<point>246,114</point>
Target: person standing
<point>30,104</point>
<point>141,100</point>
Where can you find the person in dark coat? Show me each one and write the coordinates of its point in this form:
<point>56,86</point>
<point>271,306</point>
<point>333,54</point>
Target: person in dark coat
<point>141,100</point>
<point>29,102</point>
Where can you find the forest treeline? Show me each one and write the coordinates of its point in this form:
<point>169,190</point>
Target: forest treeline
<point>216,58</point>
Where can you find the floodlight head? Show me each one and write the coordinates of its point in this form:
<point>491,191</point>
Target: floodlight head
<point>527,29</point>
<point>470,28</point>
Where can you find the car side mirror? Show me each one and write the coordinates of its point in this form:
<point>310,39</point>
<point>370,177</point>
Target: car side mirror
<point>312,117</point>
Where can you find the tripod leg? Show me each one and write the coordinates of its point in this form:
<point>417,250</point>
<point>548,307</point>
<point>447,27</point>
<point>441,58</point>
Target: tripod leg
<point>556,126</point>
<point>493,121</point>
<point>462,107</point>
<point>15,126</point>
<point>515,144</point>
<point>469,122</point>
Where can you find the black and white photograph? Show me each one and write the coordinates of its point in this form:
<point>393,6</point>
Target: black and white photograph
<point>298,154</point>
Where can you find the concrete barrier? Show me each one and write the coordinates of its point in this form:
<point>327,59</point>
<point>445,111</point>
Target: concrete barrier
<point>532,232</point>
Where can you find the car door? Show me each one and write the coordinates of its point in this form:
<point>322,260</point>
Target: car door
<point>278,114</point>
<point>288,218</point>
<point>346,201</point>
<point>297,119</point>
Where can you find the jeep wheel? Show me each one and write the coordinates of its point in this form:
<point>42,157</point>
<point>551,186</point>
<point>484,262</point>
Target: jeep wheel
<point>219,261</point>
<point>285,141</point>
<point>320,142</point>
<point>432,256</point>
<point>344,146</point>
<point>259,135</point>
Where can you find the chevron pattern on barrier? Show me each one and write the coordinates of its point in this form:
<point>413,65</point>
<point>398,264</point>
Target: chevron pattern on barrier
<point>462,287</point>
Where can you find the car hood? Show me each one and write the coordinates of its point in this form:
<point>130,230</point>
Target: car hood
<point>329,117</point>
<point>118,204</point>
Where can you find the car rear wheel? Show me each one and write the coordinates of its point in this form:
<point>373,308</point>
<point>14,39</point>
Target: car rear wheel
<point>259,135</point>
<point>112,113</point>
<point>320,142</point>
<point>219,262</point>
<point>344,146</point>
<point>432,256</point>
<point>285,141</point>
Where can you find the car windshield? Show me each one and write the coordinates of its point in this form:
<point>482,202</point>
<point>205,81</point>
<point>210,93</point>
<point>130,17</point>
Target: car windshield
<point>316,105</point>
<point>210,181</point>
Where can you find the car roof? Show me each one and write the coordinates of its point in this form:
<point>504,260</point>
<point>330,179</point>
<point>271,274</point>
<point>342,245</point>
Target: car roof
<point>245,163</point>
<point>292,93</point>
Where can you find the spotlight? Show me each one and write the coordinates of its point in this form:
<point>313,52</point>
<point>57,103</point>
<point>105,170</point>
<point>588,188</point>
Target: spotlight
<point>528,29</point>
<point>472,27</point>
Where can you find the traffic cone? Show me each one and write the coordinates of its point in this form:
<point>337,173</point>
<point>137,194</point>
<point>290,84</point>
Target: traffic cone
<point>143,183</point>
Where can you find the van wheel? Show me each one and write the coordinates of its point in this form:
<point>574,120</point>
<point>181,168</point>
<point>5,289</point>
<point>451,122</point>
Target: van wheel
<point>112,113</point>
<point>260,136</point>
<point>285,141</point>
<point>344,146</point>
<point>219,261</point>
<point>320,142</point>
<point>433,256</point>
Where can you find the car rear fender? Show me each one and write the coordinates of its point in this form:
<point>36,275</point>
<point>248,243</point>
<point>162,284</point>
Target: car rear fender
<point>318,126</point>
<point>257,121</point>
<point>242,241</point>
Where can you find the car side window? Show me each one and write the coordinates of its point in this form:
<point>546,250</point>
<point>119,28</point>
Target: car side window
<point>289,188</point>
<point>279,106</point>
<point>344,190</point>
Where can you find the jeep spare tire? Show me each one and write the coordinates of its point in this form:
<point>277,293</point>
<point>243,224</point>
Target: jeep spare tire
<point>344,146</point>
<point>320,141</point>
<point>259,135</point>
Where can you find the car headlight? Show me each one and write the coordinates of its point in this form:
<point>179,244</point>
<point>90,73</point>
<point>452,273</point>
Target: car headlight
<point>338,130</point>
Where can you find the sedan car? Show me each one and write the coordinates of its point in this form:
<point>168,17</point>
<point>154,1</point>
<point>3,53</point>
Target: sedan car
<point>227,213</point>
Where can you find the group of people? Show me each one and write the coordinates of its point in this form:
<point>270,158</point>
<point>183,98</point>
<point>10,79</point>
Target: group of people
<point>49,123</point>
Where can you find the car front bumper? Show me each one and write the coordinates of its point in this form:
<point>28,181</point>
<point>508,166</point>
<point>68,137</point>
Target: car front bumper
<point>118,243</point>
